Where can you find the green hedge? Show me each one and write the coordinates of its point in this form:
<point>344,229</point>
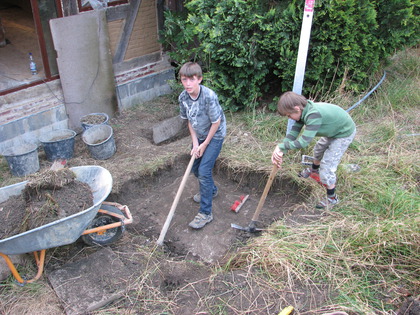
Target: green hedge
<point>249,47</point>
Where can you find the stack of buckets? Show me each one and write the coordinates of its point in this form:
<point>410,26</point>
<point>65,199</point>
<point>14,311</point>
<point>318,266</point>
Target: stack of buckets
<point>99,138</point>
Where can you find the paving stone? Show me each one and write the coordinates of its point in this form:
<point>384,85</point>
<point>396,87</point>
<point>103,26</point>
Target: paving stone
<point>168,129</point>
<point>90,283</point>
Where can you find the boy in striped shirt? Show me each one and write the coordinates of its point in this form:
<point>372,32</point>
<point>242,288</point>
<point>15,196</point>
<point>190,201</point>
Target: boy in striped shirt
<point>207,125</point>
<point>336,129</point>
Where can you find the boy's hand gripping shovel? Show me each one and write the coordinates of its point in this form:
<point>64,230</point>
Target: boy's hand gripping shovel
<point>252,226</point>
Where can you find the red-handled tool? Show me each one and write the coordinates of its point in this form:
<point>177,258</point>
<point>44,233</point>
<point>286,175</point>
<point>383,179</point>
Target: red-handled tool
<point>239,203</point>
<point>252,226</point>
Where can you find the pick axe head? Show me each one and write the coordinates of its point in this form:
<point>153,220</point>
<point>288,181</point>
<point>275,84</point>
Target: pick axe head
<point>250,229</point>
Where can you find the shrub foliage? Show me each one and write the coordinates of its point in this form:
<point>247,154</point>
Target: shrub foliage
<point>249,47</point>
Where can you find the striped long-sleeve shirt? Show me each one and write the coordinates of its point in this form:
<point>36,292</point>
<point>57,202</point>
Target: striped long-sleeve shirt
<point>319,119</point>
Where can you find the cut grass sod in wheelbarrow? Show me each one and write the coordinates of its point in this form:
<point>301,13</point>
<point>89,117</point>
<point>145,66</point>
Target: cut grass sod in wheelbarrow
<point>62,227</point>
<point>47,196</point>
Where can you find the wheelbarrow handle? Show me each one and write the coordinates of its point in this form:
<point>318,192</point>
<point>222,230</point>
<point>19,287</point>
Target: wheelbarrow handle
<point>125,219</point>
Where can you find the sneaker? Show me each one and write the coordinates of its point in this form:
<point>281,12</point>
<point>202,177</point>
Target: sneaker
<point>309,172</point>
<point>197,197</point>
<point>201,220</point>
<point>329,203</point>
<point>315,176</point>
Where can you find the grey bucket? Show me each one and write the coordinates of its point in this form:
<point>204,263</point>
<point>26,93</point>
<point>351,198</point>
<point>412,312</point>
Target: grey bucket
<point>23,159</point>
<point>100,141</point>
<point>99,116</point>
<point>58,144</point>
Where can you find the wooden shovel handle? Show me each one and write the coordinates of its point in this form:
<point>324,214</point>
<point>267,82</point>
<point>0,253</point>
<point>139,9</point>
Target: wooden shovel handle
<point>176,200</point>
<point>265,192</point>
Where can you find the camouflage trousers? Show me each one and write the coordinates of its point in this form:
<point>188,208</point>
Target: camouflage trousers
<point>330,151</point>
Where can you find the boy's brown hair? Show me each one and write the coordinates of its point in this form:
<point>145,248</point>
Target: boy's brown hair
<point>288,101</point>
<point>190,69</point>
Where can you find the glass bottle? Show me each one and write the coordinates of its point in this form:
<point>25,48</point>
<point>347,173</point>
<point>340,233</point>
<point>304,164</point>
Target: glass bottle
<point>32,64</point>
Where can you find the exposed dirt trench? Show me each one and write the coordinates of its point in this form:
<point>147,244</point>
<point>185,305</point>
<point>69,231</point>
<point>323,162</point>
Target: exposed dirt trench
<point>185,276</point>
<point>151,198</point>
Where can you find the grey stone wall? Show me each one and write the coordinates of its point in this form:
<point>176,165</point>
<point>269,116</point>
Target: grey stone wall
<point>26,114</point>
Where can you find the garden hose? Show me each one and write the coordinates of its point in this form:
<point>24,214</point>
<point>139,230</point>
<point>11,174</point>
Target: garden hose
<point>367,95</point>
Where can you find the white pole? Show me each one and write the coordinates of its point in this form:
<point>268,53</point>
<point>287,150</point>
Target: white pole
<point>305,35</point>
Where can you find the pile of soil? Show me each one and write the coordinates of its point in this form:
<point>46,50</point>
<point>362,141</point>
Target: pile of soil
<point>48,196</point>
<point>93,119</point>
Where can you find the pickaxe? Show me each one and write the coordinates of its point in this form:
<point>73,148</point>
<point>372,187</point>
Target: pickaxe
<point>252,226</point>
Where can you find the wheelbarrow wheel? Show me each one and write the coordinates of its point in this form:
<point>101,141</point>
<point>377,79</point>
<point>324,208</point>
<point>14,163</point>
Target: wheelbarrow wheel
<point>105,237</point>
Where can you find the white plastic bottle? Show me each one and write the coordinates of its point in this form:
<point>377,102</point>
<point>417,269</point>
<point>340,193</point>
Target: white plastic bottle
<point>32,64</point>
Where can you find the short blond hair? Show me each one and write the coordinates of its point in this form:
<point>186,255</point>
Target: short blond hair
<point>288,101</point>
<point>190,69</point>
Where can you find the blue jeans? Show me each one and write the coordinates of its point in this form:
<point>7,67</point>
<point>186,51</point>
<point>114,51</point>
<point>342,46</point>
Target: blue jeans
<point>203,170</point>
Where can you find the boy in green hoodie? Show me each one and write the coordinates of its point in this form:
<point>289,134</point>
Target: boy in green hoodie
<point>336,129</point>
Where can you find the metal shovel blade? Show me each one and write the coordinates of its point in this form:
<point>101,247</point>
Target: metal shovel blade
<point>246,229</point>
<point>238,227</point>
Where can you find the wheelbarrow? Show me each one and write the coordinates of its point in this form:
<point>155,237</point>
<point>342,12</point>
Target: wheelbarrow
<point>103,223</point>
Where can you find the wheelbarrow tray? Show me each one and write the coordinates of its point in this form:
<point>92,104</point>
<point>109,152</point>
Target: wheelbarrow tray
<point>63,231</point>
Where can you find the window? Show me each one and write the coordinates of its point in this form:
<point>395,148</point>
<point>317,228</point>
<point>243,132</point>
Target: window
<point>86,5</point>
<point>26,30</point>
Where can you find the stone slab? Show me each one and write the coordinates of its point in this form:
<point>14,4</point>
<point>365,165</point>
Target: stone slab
<point>85,65</point>
<point>92,282</point>
<point>168,129</point>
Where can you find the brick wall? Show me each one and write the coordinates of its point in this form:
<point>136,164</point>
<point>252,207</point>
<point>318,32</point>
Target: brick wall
<point>30,101</point>
<point>26,114</point>
<point>114,30</point>
<point>144,38</point>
